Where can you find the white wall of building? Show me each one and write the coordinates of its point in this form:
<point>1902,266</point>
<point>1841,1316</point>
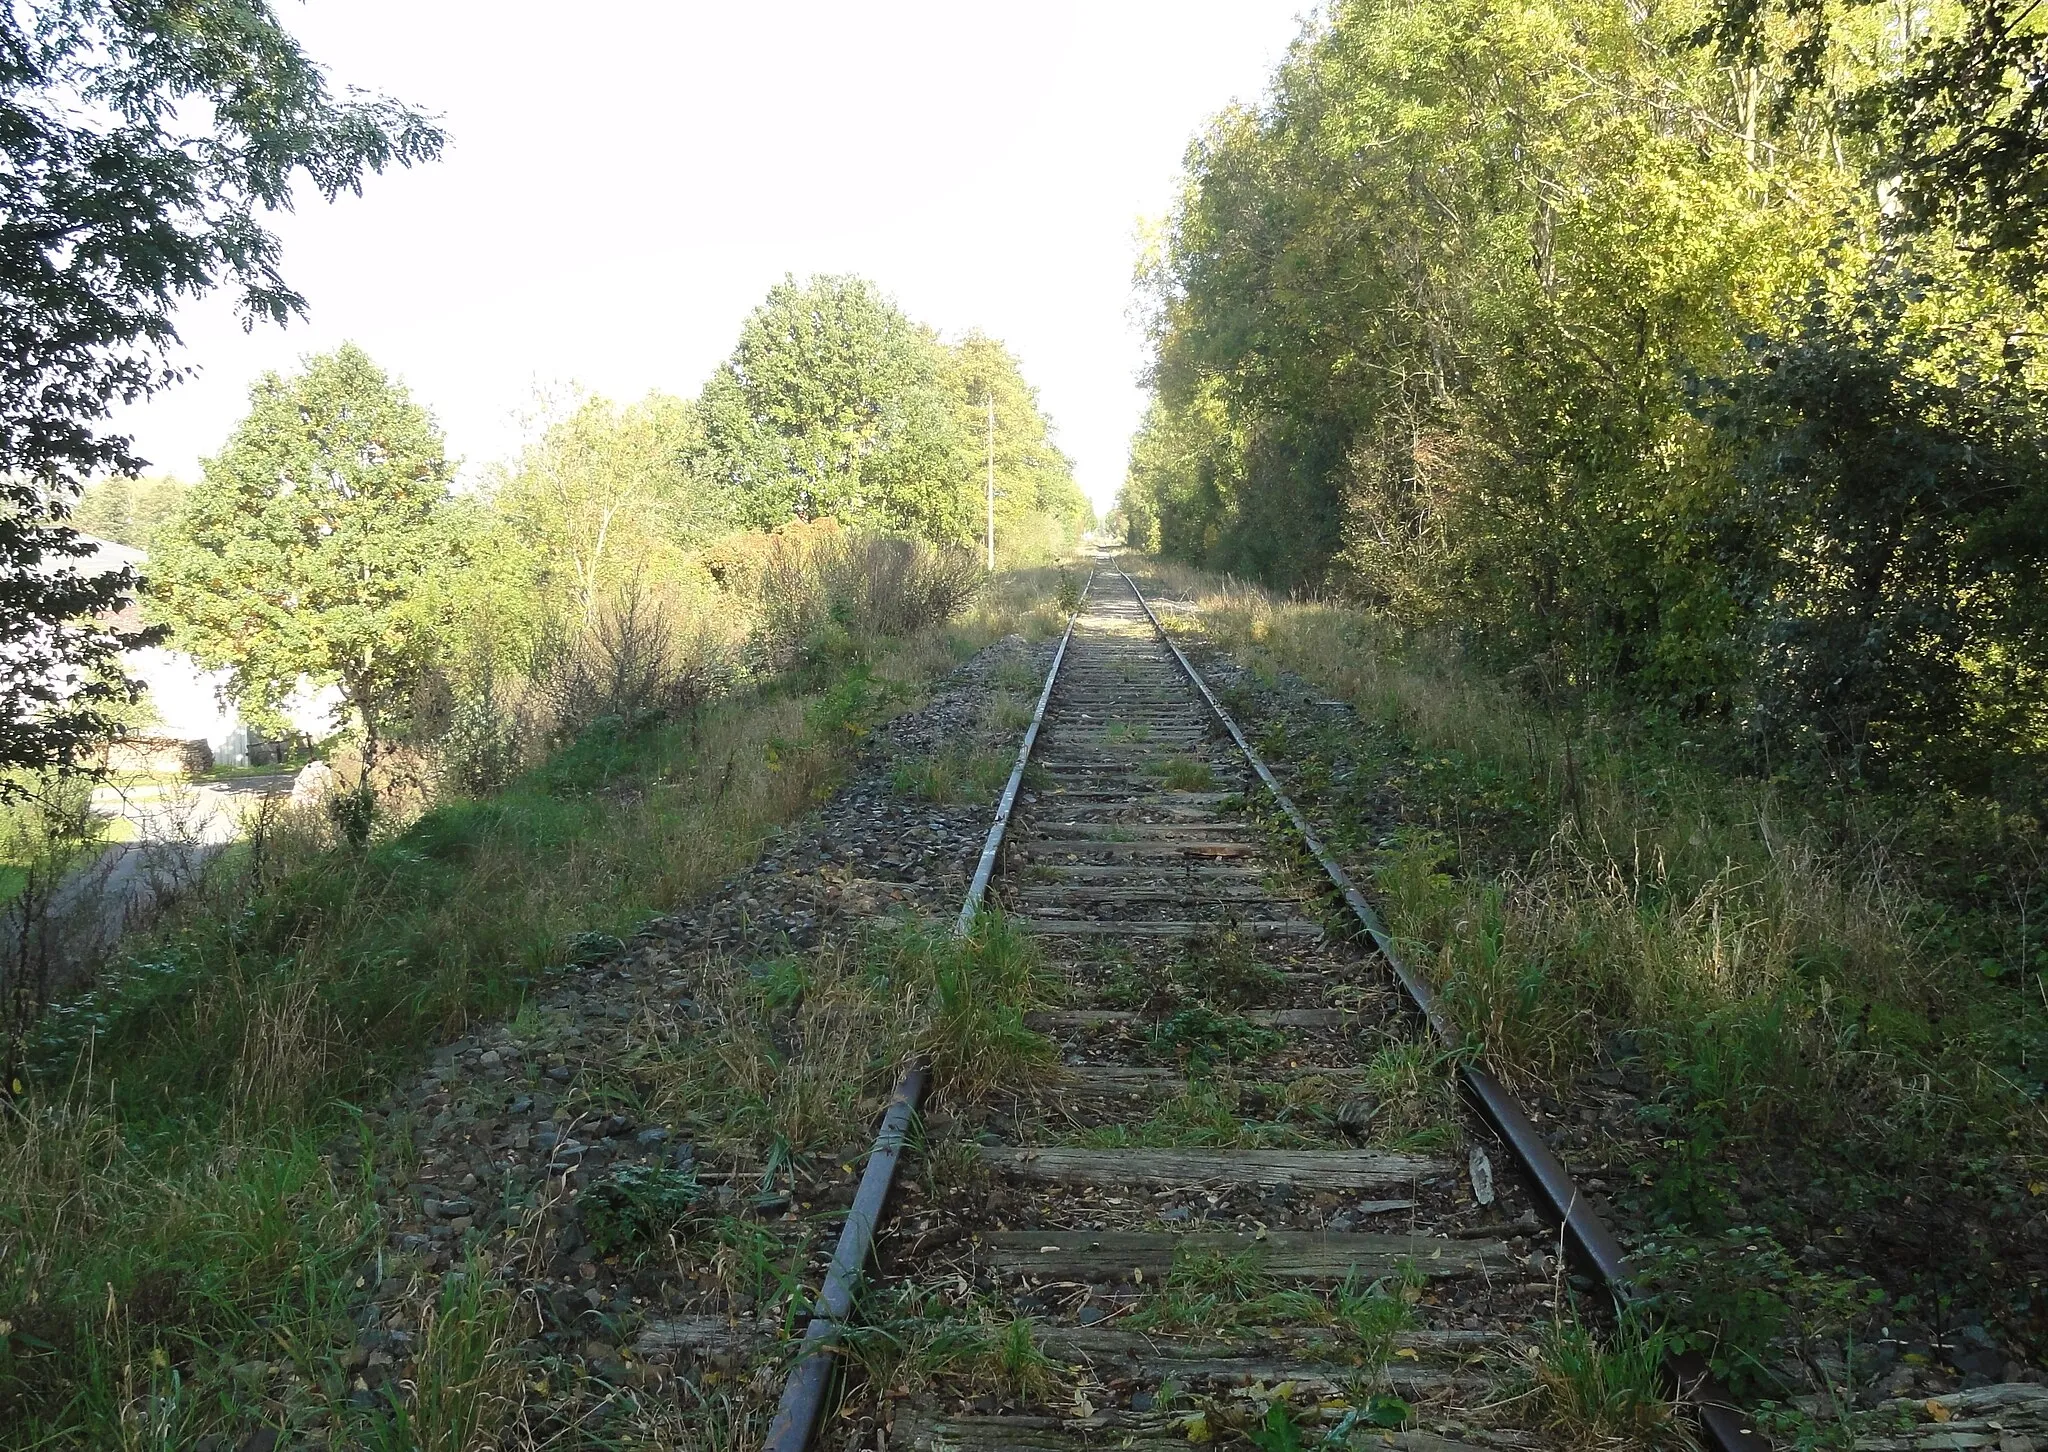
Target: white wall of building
<point>191,702</point>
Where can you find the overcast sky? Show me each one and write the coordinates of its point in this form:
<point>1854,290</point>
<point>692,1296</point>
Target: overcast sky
<point>626,179</point>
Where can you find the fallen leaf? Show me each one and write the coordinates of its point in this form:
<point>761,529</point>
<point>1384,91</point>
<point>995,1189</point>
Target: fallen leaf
<point>1936,1410</point>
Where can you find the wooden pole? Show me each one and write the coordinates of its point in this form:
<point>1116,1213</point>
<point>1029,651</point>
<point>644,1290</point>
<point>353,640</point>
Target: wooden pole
<point>991,481</point>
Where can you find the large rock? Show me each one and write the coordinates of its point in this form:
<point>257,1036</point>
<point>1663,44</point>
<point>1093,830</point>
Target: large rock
<point>313,784</point>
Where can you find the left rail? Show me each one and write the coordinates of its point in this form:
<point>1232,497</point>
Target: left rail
<point>809,1385</point>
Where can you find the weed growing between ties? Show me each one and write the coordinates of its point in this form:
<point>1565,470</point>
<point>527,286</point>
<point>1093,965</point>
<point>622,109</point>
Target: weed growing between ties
<point>180,1250</point>
<point>795,1055</point>
<point>1229,1293</point>
<point>914,1340</point>
<point>1220,968</point>
<point>1198,1038</point>
<point>1604,1392</point>
<point>1211,1111</point>
<point>1807,1027</point>
<point>1182,773</point>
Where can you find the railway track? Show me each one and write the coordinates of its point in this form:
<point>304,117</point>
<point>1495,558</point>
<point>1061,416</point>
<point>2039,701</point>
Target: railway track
<point>1246,1202</point>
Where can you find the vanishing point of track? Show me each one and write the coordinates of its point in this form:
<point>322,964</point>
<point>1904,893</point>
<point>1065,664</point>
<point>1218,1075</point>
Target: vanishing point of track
<point>1233,1108</point>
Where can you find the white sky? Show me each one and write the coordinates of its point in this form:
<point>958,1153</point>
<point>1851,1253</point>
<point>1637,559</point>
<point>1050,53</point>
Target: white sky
<point>626,179</point>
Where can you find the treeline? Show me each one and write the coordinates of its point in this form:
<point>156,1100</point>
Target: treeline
<point>629,560</point>
<point>1637,345</point>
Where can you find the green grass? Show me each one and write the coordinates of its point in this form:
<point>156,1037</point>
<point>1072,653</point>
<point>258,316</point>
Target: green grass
<point>1199,1037</point>
<point>1606,1391</point>
<point>167,1214</point>
<point>1182,773</point>
<point>953,776</point>
<point>913,1339</point>
<point>1229,1293</point>
<point>1204,1114</point>
<point>1832,1002</point>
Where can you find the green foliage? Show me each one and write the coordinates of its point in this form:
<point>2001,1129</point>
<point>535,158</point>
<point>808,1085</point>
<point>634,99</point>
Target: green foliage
<point>836,405</point>
<point>832,405</point>
<point>1199,1037</point>
<point>953,776</point>
<point>1182,773</point>
<point>1223,968</point>
<point>637,1206</point>
<point>1070,591</point>
<point>143,145</point>
<point>849,708</point>
<point>1484,409</point>
<point>1040,510</point>
<point>1895,476</point>
<point>132,512</point>
<point>306,549</point>
<point>1277,1432</point>
<point>604,496</point>
<point>982,986</point>
<point>1959,128</point>
<point>1592,1390</point>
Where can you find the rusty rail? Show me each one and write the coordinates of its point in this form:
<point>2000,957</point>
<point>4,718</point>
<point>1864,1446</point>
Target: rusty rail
<point>809,1385</point>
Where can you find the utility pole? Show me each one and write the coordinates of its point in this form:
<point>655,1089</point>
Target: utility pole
<point>991,480</point>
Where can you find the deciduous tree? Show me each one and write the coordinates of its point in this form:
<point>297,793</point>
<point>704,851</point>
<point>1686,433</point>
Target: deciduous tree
<point>144,141</point>
<point>306,550</point>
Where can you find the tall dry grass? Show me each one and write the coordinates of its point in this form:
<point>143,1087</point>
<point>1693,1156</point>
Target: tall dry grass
<point>1566,880</point>
<point>162,1175</point>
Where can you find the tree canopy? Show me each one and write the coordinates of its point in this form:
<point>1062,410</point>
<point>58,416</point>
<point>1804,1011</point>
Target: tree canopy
<point>1542,321</point>
<point>601,493</point>
<point>305,552</point>
<point>144,143</point>
<point>834,404</point>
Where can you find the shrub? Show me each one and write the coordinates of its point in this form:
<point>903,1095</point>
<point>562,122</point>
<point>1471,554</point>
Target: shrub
<point>822,592</point>
<point>636,1205</point>
<point>642,657</point>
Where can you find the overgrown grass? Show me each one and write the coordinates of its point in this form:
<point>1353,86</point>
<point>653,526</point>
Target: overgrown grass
<point>1830,1001</point>
<point>1230,1293</point>
<point>1592,1394</point>
<point>954,776</point>
<point>914,1339</point>
<point>167,1215</point>
<point>1182,773</point>
<point>793,1056</point>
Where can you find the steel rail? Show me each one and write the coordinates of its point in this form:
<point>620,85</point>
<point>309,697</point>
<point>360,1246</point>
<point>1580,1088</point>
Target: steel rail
<point>1726,1425</point>
<point>805,1392</point>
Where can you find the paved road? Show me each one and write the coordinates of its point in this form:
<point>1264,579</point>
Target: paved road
<point>177,827</point>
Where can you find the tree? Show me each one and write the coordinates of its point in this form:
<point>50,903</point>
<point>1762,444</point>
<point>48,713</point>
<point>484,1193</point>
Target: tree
<point>1039,508</point>
<point>129,511</point>
<point>608,491</point>
<point>144,140</point>
<point>1952,100</point>
<point>1895,473</point>
<point>306,550</point>
<point>834,404</point>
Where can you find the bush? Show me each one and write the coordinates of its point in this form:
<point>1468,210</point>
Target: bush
<point>643,657</point>
<point>480,749</point>
<point>823,592</point>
